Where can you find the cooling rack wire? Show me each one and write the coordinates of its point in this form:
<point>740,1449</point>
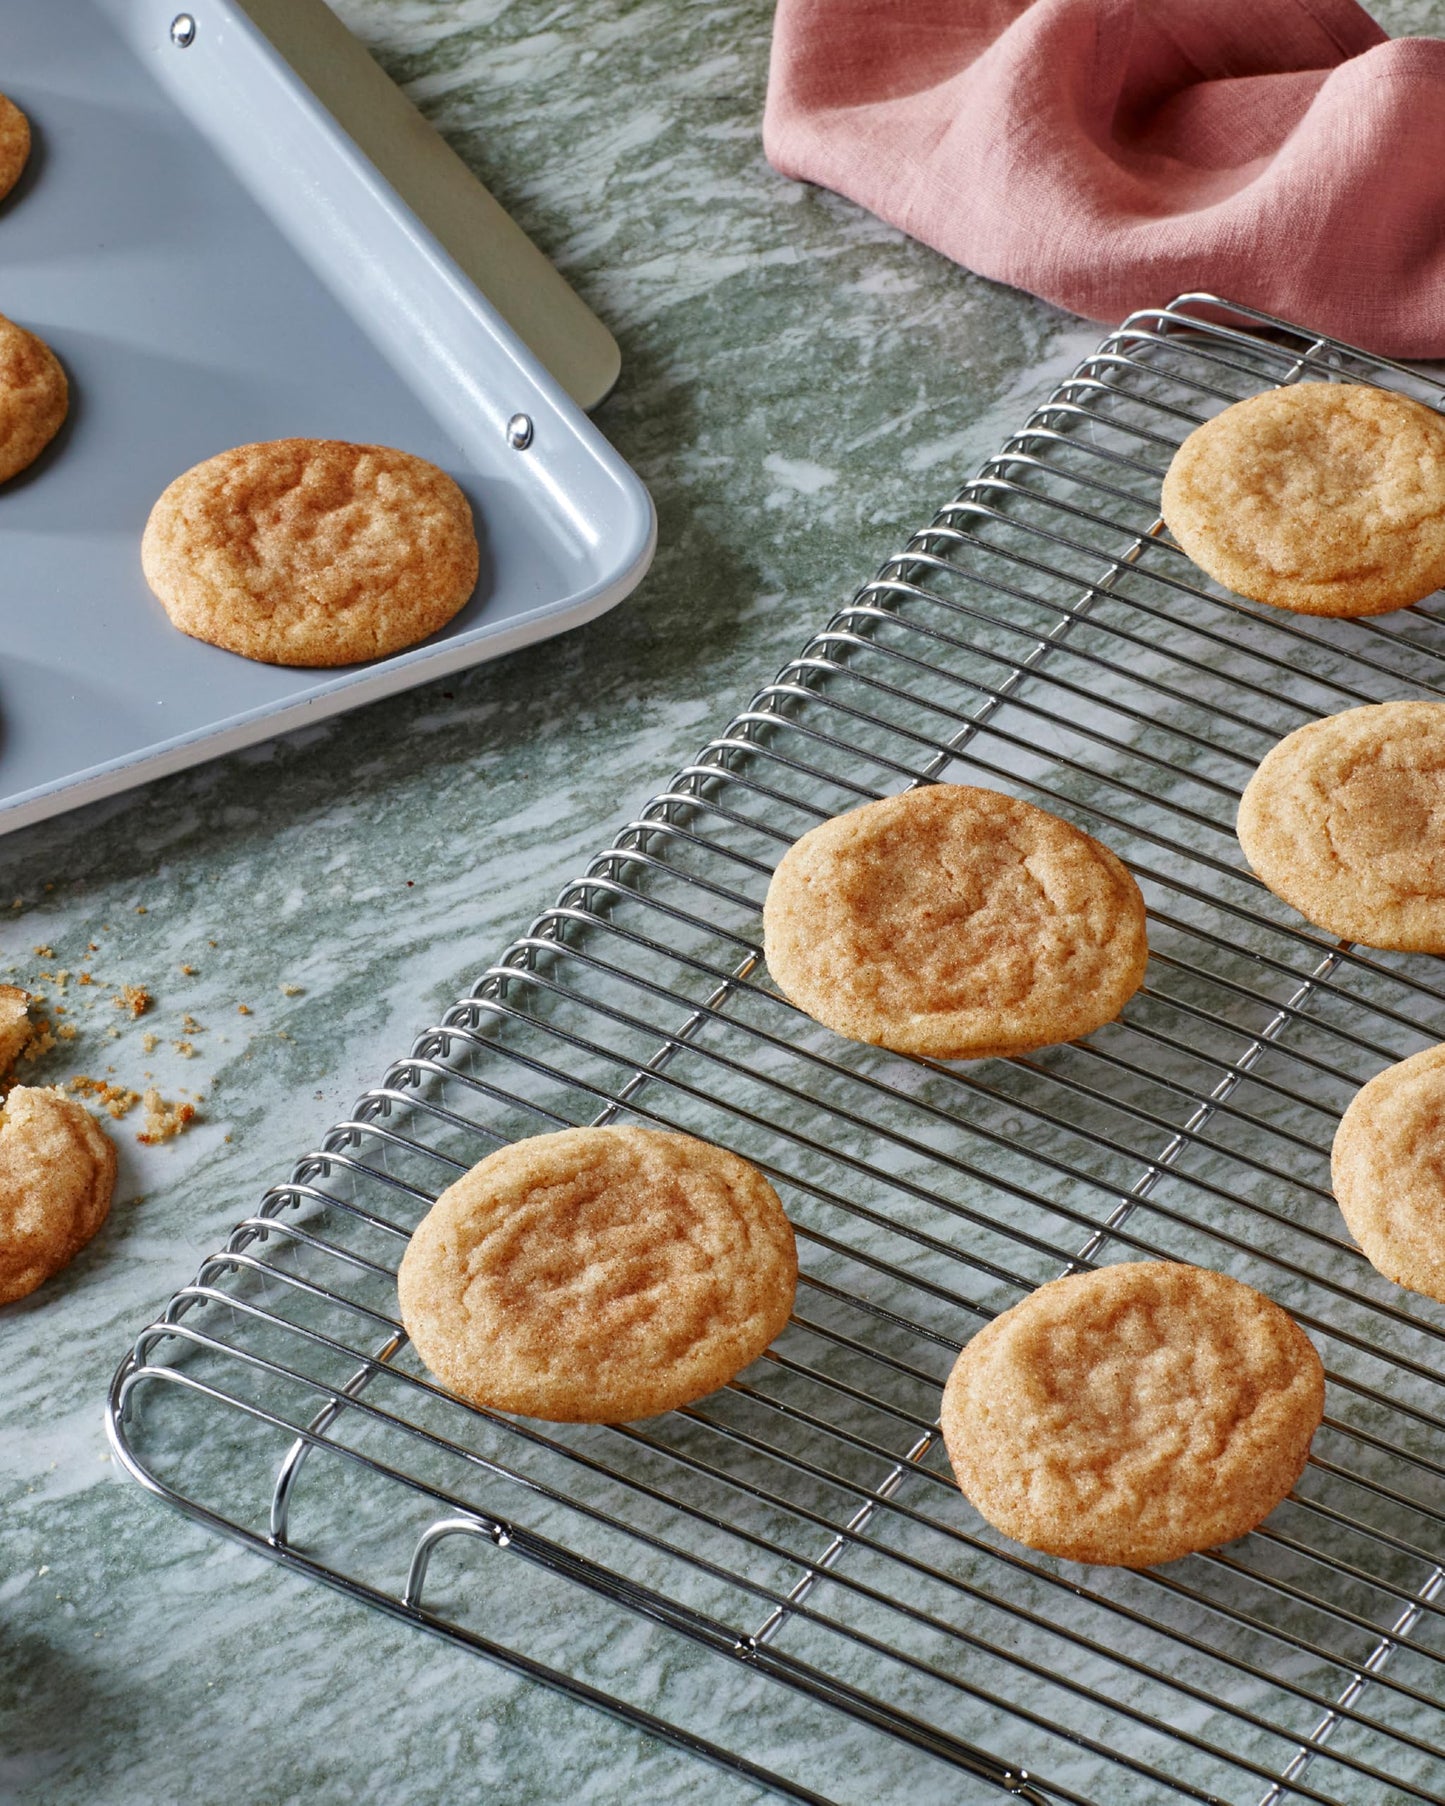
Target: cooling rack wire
<point>786,1567</point>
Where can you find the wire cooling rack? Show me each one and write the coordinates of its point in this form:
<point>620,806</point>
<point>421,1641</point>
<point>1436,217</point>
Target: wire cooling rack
<point>786,1570</point>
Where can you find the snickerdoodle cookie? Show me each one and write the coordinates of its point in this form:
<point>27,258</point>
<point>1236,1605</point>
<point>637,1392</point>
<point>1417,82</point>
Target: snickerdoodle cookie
<point>1327,498</point>
<point>598,1275</point>
<point>1388,1166</point>
<point>34,397</point>
<point>57,1169</point>
<point>1345,819</point>
<point>14,144</point>
<point>311,551</point>
<point>955,923</point>
<point>16,1028</point>
<point>1133,1414</point>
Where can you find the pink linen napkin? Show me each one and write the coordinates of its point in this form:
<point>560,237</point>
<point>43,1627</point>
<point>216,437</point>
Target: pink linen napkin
<point>1107,154</point>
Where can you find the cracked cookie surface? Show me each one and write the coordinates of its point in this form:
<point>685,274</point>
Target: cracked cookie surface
<point>598,1275</point>
<point>1345,820</point>
<point>955,923</point>
<point>1326,498</point>
<point>1134,1414</point>
<point>311,552</point>
<point>57,1171</point>
<point>34,397</point>
<point>1388,1168</point>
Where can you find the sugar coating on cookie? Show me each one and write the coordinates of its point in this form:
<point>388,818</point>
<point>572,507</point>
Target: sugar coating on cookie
<point>1388,1167</point>
<point>1326,498</point>
<point>955,923</point>
<point>14,144</point>
<point>34,397</point>
<point>1132,1415</point>
<point>1345,819</point>
<point>57,1171</point>
<point>598,1275</point>
<point>311,552</point>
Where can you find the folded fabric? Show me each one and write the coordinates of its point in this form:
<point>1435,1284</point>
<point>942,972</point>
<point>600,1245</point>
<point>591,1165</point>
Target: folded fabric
<point>1107,154</point>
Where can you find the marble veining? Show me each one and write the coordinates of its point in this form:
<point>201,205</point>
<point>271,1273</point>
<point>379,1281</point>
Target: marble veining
<point>800,386</point>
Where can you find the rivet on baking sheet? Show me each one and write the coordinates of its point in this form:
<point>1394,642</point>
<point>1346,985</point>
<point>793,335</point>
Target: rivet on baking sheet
<point>519,432</point>
<point>183,31</point>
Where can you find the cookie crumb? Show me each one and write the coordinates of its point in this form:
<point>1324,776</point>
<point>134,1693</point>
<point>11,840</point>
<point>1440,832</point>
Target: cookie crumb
<point>163,1121</point>
<point>190,971</point>
<point>141,909</point>
<point>43,952</point>
<point>243,1009</point>
<point>149,1042</point>
<point>291,990</point>
<point>134,998</point>
<point>115,1100</point>
<point>184,1049</point>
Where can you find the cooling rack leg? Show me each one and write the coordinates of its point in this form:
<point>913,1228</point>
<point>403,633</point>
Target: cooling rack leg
<point>295,1459</point>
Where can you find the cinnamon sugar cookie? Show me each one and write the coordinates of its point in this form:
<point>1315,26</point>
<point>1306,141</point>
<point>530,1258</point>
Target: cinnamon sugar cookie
<point>1345,819</point>
<point>1133,1414</point>
<point>598,1275</point>
<point>34,397</point>
<point>16,1028</point>
<point>311,552</point>
<point>14,144</point>
<point>1388,1166</point>
<point>1326,498</point>
<point>956,923</point>
<point>57,1170</point>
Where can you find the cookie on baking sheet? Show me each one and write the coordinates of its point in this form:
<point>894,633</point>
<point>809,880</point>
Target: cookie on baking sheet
<point>34,397</point>
<point>598,1275</point>
<point>1388,1167</point>
<point>14,144</point>
<point>57,1170</point>
<point>1345,819</point>
<point>1327,498</point>
<point>1131,1415</point>
<point>311,552</point>
<point>955,923</point>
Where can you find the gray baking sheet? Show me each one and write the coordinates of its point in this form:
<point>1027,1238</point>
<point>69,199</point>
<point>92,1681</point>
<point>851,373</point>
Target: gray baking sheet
<point>215,263</point>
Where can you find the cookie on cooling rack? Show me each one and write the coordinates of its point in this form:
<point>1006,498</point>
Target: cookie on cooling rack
<point>57,1170</point>
<point>1326,498</point>
<point>1132,1415</point>
<point>1388,1175</point>
<point>34,397</point>
<point>1345,819</point>
<point>311,552</point>
<point>955,923</point>
<point>14,144</point>
<point>598,1275</point>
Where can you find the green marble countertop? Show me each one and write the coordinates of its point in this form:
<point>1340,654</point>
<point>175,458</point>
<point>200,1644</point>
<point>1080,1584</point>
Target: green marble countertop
<point>800,386</point>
